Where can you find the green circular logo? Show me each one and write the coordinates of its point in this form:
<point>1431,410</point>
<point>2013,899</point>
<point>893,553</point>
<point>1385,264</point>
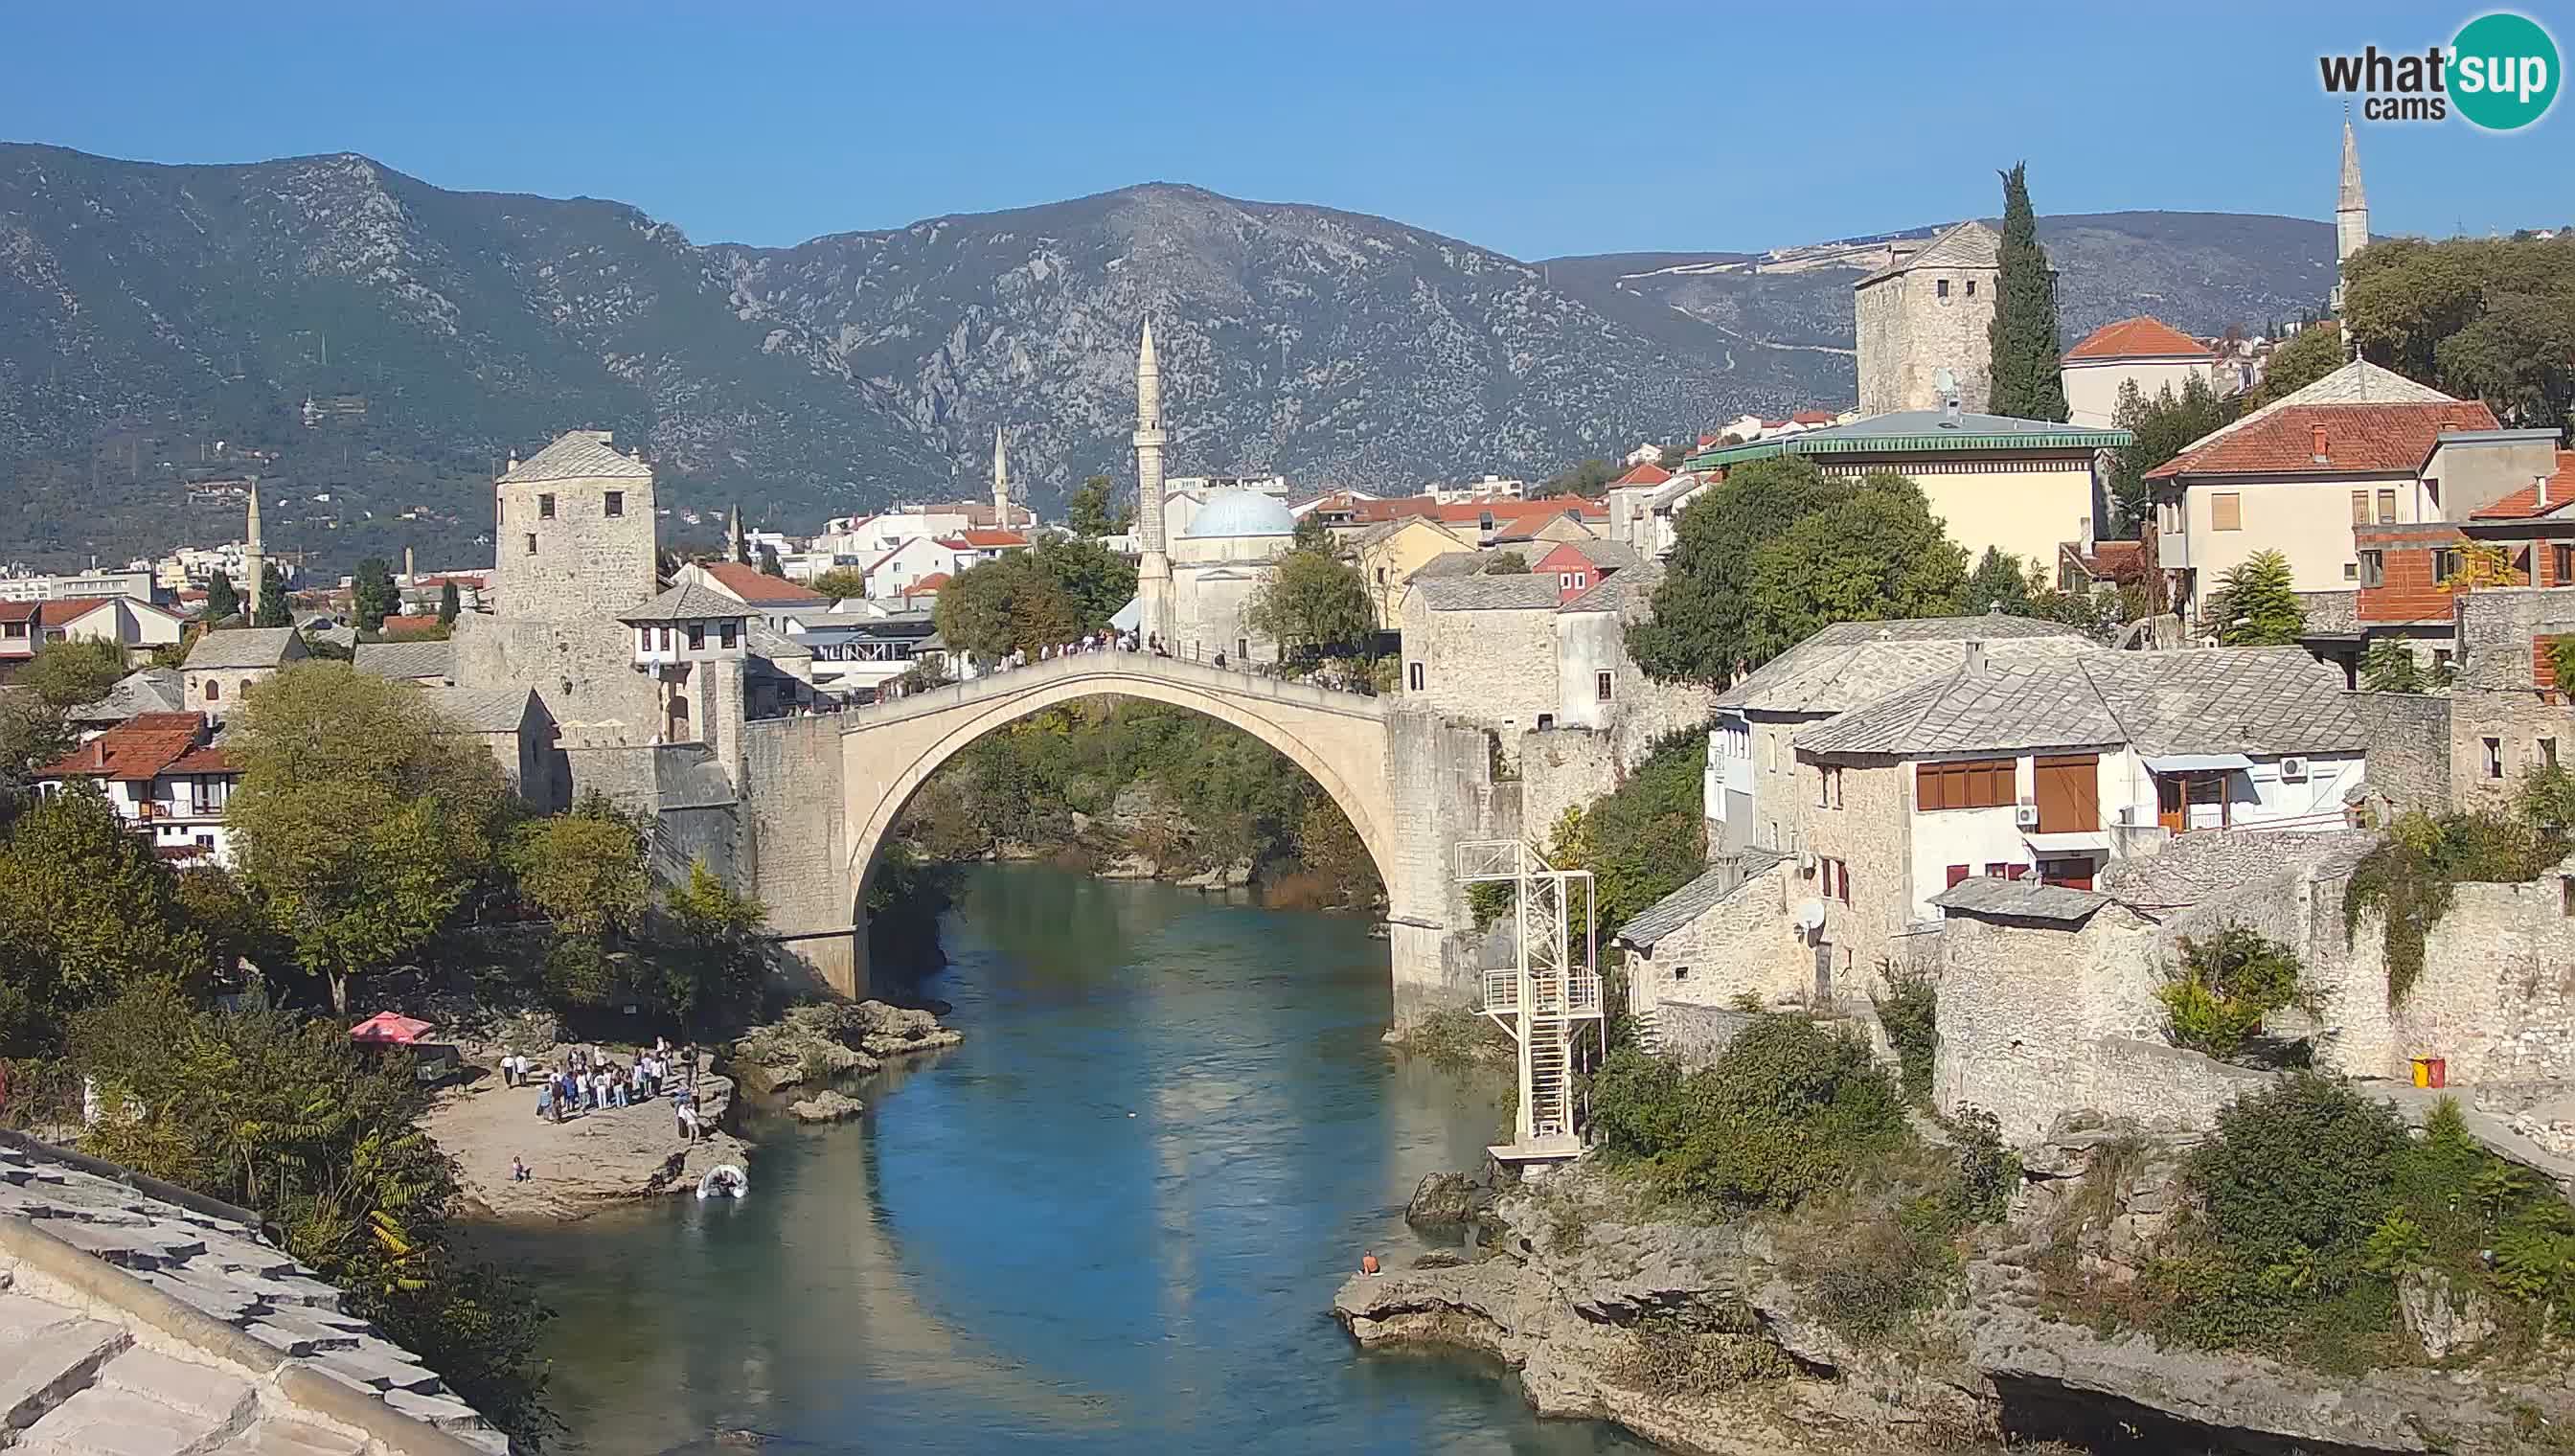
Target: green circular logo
<point>2503,71</point>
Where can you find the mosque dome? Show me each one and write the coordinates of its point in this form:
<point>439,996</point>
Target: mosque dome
<point>1240,513</point>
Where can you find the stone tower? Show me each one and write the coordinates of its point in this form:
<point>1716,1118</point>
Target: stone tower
<point>1928,309</point>
<point>1154,568</point>
<point>2351,213</point>
<point>1001,482</point>
<point>253,560</point>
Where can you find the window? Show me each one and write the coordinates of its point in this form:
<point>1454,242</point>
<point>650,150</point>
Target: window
<point>2566,894</point>
<point>2441,659</point>
<point>616,505</point>
<point>1838,883</point>
<point>2494,757</point>
<point>2386,507</point>
<point>2373,568</point>
<point>214,691</point>
<point>1680,972</point>
<point>697,635</point>
<point>643,639</point>
<point>1412,677</point>
<point>1971,288</point>
<point>546,508</point>
<point>2226,511</point>
<point>2360,507</point>
<point>1980,783</point>
<point>2548,752</point>
<point>1241,650</point>
<point>1941,288</point>
<point>1600,685</point>
<point>2351,571</point>
<point>724,634</point>
<point>1381,575</point>
<point>1957,872</point>
<point>532,542</point>
<point>2561,565</point>
<point>1828,787</point>
<point>2445,564</point>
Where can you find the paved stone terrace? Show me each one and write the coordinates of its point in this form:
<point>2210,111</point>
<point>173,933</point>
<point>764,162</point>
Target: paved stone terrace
<point>138,1320</point>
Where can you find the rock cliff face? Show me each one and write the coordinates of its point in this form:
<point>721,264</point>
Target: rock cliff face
<point>1692,1337</point>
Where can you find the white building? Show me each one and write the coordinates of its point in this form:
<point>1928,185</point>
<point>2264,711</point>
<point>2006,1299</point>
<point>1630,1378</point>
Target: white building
<point>2147,352</point>
<point>165,778</point>
<point>135,582</point>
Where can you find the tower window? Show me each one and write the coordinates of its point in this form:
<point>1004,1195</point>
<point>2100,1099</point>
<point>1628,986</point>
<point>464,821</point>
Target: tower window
<point>1941,288</point>
<point>546,508</point>
<point>616,503</point>
<point>724,634</point>
<point>1971,288</point>
<point>532,542</point>
<point>1600,685</point>
<point>697,635</point>
<point>214,691</point>
<point>1412,675</point>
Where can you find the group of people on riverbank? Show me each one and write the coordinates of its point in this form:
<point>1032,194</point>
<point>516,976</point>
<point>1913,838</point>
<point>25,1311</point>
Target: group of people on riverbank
<point>588,1080</point>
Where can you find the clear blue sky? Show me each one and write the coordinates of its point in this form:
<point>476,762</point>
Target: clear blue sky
<point>1536,130</point>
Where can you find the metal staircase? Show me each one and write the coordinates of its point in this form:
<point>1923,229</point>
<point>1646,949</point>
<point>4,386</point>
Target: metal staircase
<point>1544,999</point>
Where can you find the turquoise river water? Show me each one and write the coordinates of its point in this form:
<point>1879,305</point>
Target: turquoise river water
<point>1111,1221</point>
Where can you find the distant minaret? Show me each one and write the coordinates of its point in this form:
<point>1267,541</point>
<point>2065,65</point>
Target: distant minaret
<point>411,568</point>
<point>1001,482</point>
<point>2351,213</point>
<point>733,534</point>
<point>254,561</point>
<point>1154,571</point>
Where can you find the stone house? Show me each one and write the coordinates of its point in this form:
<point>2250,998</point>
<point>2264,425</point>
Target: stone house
<point>222,666</point>
<point>2502,715</point>
<point>1724,935</point>
<point>514,726</point>
<point>1753,796</point>
<point>2019,487</point>
<point>1390,552</point>
<point>1928,309</point>
<point>165,778</point>
<point>1477,650</point>
<point>2145,352</point>
<point>772,600</point>
<point>429,664</point>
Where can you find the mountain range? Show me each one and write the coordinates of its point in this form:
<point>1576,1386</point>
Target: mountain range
<point>383,343</point>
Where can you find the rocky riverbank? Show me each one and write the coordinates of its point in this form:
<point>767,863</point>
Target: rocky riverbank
<point>813,1046</point>
<point>587,1163</point>
<point>1707,1338</point>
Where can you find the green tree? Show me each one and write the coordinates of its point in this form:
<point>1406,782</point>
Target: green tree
<point>1873,551</point>
<point>2312,353</point>
<point>2226,983</point>
<point>2257,606</point>
<point>717,971</point>
<point>2488,318</point>
<point>90,912</point>
<point>1312,535</point>
<point>1090,514</point>
<point>33,733</point>
<point>1095,579</point>
<point>2163,427</point>
<point>362,819</point>
<point>1590,478</point>
<point>275,608</point>
<point>841,584</point>
<point>373,597</point>
<point>1999,585</point>
<point>585,870</point>
<point>1507,564</point>
<point>449,603</point>
<point>1008,603</point>
<point>1312,602</point>
<point>222,601</point>
<point>1700,627</point>
<point>2027,379</point>
<point>72,671</point>
<point>2387,666</point>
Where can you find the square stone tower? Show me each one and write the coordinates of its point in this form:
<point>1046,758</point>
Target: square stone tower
<point>1928,309</point>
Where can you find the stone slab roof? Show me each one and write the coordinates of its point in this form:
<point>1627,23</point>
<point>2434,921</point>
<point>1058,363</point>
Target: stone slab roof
<point>1852,662</point>
<point>1675,911</point>
<point>762,643</point>
<point>2024,900</point>
<point>688,602</point>
<point>578,455</point>
<point>1517,592</point>
<point>136,1317</point>
<point>1962,244</point>
<point>153,690</point>
<point>1630,589</point>
<point>481,709</point>
<point>2266,700</point>
<point>2205,700</point>
<point>406,661</point>
<point>242,646</point>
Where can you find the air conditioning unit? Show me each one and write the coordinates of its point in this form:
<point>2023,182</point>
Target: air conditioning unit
<point>2026,816</point>
<point>2293,767</point>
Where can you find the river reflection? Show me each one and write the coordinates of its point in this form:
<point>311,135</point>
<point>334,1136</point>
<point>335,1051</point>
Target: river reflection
<point>1111,1222</point>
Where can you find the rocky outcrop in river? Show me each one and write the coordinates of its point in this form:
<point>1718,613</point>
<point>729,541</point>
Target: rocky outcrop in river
<point>1696,1337</point>
<point>816,1044</point>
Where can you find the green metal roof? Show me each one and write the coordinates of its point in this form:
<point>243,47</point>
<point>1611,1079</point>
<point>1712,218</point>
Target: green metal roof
<point>1918,431</point>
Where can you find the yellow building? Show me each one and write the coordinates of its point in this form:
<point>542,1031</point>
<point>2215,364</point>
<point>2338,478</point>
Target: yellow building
<point>1390,551</point>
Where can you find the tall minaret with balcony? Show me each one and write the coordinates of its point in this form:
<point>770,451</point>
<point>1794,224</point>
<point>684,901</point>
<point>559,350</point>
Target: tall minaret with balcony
<point>1001,482</point>
<point>1154,568</point>
<point>253,560</point>
<point>2351,215</point>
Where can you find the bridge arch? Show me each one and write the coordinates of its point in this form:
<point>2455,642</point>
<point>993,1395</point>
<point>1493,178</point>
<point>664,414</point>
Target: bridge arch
<point>891,748</point>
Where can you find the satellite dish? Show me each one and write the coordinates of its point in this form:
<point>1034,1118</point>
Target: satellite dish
<point>1945,381</point>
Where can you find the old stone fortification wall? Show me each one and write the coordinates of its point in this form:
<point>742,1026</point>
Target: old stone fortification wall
<point>1907,333</point>
<point>793,849</point>
<point>583,672</point>
<point>1562,768</point>
<point>2495,1001</point>
<point>2409,750</point>
<point>1441,781</point>
<point>1477,666</point>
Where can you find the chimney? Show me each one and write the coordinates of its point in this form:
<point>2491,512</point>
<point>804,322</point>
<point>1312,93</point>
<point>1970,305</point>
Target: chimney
<point>1975,659</point>
<point>2316,437</point>
<point>2540,482</point>
<point>1949,411</point>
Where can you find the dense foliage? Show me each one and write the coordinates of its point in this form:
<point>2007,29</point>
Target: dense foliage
<point>2028,379</point>
<point>1027,600</point>
<point>2388,665</point>
<point>2409,877</point>
<point>222,601</point>
<point>2227,982</point>
<point>2160,429</point>
<point>90,912</point>
<point>2482,317</point>
<point>373,597</point>
<point>1090,513</point>
<point>2256,603</point>
<point>2309,355</point>
<point>1312,604</point>
<point>1910,1012</point>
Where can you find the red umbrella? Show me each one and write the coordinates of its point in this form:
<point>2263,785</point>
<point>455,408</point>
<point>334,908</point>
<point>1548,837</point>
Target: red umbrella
<point>389,1028</point>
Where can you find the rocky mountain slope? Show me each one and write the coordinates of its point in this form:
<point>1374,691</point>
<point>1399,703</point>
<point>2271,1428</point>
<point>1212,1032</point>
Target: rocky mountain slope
<point>148,312</point>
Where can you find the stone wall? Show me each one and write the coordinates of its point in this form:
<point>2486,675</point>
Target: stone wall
<point>1492,669</point>
<point>1743,945</point>
<point>2495,999</point>
<point>2409,750</point>
<point>1908,333</point>
<point>1871,835</point>
<point>1440,779</point>
<point>584,670</point>
<point>794,854</point>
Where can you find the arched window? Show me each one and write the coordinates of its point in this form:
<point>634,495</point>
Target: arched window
<point>214,691</point>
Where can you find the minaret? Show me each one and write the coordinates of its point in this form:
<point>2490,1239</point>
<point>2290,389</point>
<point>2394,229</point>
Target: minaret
<point>2351,213</point>
<point>254,561</point>
<point>1153,570</point>
<point>733,534</point>
<point>1001,482</point>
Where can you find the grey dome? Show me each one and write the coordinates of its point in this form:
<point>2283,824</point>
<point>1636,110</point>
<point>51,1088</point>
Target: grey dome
<point>1240,513</point>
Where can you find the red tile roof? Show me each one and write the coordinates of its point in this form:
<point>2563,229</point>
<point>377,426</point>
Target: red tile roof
<point>753,585</point>
<point>986,540</point>
<point>143,747</point>
<point>2112,560</point>
<point>204,760</point>
<point>1646,474</point>
<point>2373,439</point>
<point>2523,503</point>
<point>1812,417</point>
<point>2138,338</point>
<point>415,622</point>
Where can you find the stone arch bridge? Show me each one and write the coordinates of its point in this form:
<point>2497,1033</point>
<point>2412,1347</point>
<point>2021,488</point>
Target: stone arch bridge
<point>823,793</point>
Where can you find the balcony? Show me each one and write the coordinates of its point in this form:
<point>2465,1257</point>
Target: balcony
<point>1581,998</point>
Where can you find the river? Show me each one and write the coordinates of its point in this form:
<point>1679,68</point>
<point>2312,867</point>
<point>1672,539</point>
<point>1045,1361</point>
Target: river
<point>1111,1222</point>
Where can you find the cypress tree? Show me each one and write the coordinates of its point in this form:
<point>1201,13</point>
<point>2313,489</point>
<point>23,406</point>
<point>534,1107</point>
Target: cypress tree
<point>2027,383</point>
<point>221,601</point>
<point>448,603</point>
<point>272,608</point>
